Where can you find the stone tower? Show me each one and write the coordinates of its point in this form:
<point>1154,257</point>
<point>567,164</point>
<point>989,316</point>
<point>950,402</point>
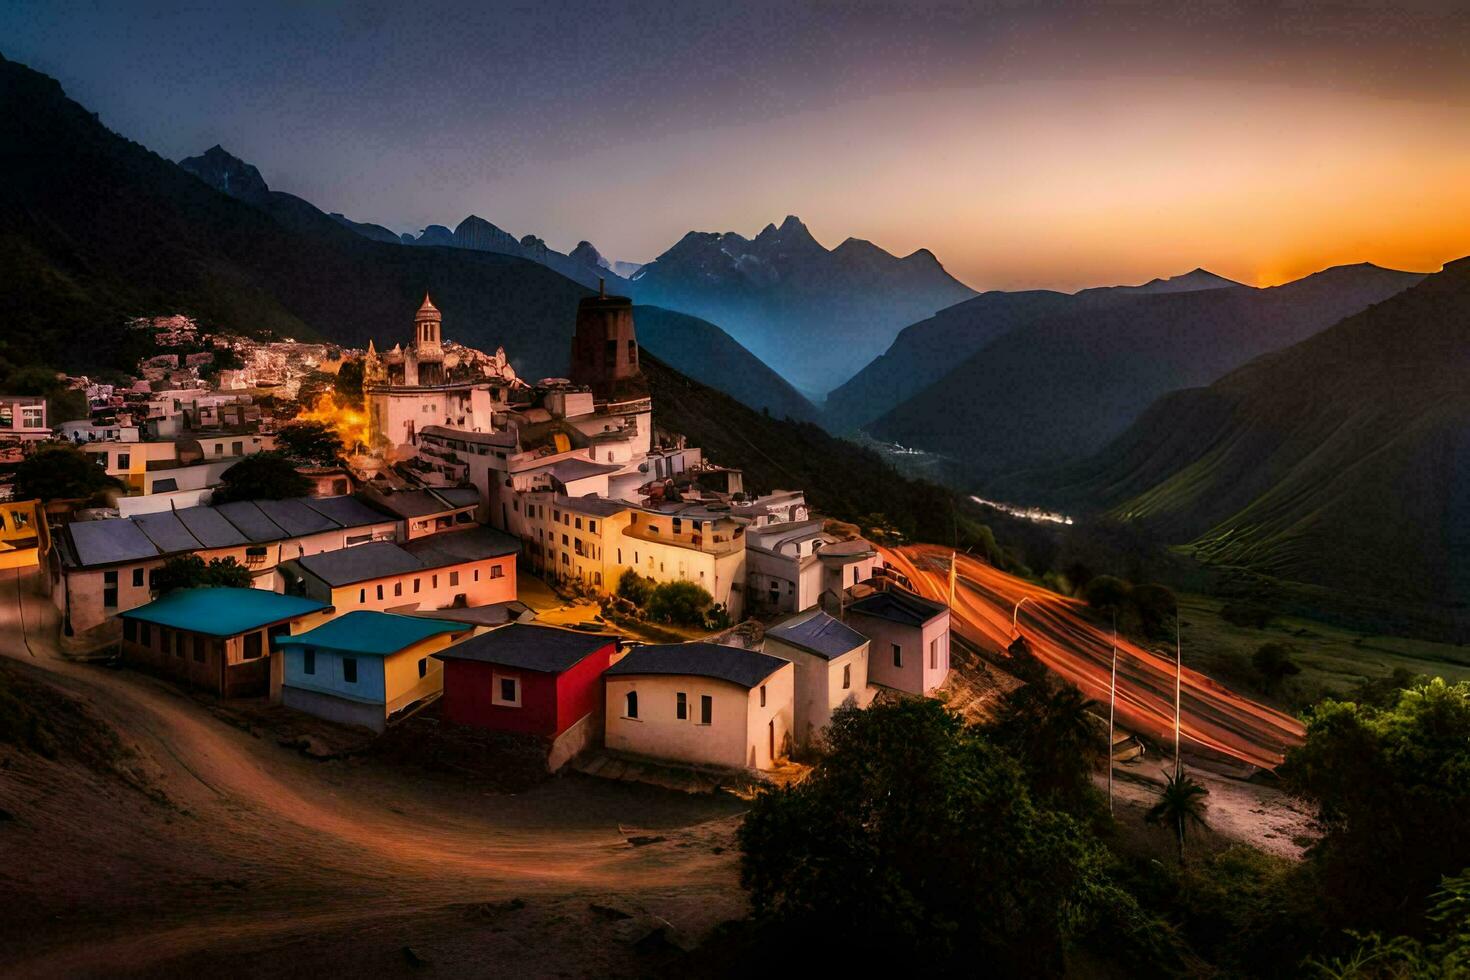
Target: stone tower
<point>604,346</point>
<point>426,364</point>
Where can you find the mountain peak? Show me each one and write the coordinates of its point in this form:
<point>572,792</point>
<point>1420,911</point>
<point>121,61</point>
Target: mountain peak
<point>227,173</point>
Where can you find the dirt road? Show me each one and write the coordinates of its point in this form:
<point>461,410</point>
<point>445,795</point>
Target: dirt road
<point>263,856</point>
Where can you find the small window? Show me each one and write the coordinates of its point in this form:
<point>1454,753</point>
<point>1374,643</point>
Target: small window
<point>630,704</point>
<point>349,669</point>
<point>380,591</point>
<point>253,646</point>
<point>477,575</point>
<point>308,661</point>
<point>763,695</point>
<point>897,655</point>
<point>453,579</point>
<point>846,676</point>
<point>137,578</point>
<point>497,572</point>
<point>507,691</point>
<point>397,588</point>
<point>433,581</point>
<point>579,524</point>
<point>591,526</point>
<point>934,654</point>
<point>423,666</point>
<point>124,461</point>
<point>361,596</point>
<point>415,585</point>
<point>706,709</point>
<point>681,706</point>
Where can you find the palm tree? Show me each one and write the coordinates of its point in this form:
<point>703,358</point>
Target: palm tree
<point>1181,802</point>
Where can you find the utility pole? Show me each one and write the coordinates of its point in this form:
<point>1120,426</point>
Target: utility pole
<point>1112,706</point>
<point>1178,677</point>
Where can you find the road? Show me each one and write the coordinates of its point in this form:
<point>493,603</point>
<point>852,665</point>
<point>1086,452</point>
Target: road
<point>1214,719</point>
<point>258,849</point>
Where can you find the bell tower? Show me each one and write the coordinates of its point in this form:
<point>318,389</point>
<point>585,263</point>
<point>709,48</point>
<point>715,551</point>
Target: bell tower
<point>428,353</point>
<point>605,346</point>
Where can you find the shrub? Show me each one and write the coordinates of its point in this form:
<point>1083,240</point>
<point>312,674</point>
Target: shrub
<point>264,476</point>
<point>190,572</point>
<point>635,588</point>
<point>679,603</point>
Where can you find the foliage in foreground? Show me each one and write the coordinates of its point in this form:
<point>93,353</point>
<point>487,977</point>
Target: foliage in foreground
<point>917,839</point>
<point>262,476</point>
<point>191,572</point>
<point>61,472</point>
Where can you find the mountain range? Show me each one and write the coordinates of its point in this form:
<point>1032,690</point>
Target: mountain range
<point>815,314</point>
<point>1059,385</point>
<point>1342,461</point>
<point>924,352</point>
<point>95,228</point>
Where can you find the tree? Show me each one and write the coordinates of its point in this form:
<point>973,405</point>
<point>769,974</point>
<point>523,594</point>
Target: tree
<point>1048,727</point>
<point>191,572</point>
<point>1444,956</point>
<point>63,403</point>
<point>61,472</point>
<point>348,384</point>
<point>634,587</point>
<point>916,837</point>
<point>309,442</point>
<point>680,603</point>
<point>1392,786</point>
<point>1107,592</point>
<point>1181,803</point>
<point>1273,662</point>
<point>263,476</point>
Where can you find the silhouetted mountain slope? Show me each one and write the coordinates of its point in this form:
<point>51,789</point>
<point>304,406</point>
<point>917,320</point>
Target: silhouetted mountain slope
<point>1342,461</point>
<point>816,315</point>
<point>94,228</point>
<point>1058,388</point>
<point>926,351</point>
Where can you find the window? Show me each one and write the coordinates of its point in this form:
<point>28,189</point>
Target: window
<point>934,654</point>
<point>706,709</point>
<point>423,666</point>
<point>415,585</point>
<point>507,691</point>
<point>433,581</point>
<point>255,554</point>
<point>308,661</point>
<point>253,646</point>
<point>632,351</point>
<point>579,524</point>
<point>397,589</point>
<point>109,589</point>
<point>361,596</point>
<point>678,525</point>
<point>453,579</point>
<point>630,704</point>
<point>477,575</point>
<point>681,706</point>
<point>237,448</point>
<point>497,572</point>
<point>137,578</point>
<point>846,676</point>
<point>591,526</point>
<point>124,460</point>
<point>380,590</point>
<point>763,695</point>
<point>564,540</point>
<point>349,670</point>
<point>897,655</point>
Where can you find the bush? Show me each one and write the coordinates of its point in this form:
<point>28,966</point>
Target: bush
<point>679,603</point>
<point>309,442</point>
<point>635,588</point>
<point>190,572</point>
<point>263,476</point>
<point>61,472</point>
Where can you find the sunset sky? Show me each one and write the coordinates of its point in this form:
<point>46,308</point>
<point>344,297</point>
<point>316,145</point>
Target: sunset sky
<point>1024,144</point>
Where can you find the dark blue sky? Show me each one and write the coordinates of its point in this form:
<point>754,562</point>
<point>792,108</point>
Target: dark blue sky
<point>951,126</point>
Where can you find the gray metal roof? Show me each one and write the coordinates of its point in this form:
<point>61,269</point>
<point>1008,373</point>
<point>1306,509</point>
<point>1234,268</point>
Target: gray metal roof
<point>110,541</point>
<point>743,667</point>
<point>251,521</point>
<point>460,496</point>
<point>167,531</point>
<point>347,511</point>
<point>898,606</point>
<point>591,504</point>
<point>579,469</point>
<point>455,547</point>
<point>541,648</point>
<point>295,518</point>
<point>818,633</point>
<point>209,528</point>
<point>377,559</point>
<point>415,503</point>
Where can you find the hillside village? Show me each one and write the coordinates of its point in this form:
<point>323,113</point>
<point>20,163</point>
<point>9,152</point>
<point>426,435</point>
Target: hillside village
<point>394,584</point>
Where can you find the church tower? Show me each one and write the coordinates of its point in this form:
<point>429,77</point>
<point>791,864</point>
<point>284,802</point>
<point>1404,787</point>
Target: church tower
<point>428,354</point>
<point>604,346</point>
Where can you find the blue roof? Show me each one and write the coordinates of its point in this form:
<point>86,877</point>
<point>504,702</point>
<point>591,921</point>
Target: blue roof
<point>223,612</point>
<point>375,634</point>
<point>818,633</point>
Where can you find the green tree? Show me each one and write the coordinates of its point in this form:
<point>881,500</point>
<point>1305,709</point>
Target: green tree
<point>191,572</point>
<point>1392,786</point>
<point>915,836</point>
<point>61,472</point>
<point>263,476</point>
<point>315,443</point>
<point>1048,726</point>
<point>1445,955</point>
<point>634,587</point>
<point>63,403</point>
<point>1107,592</point>
<point>348,385</point>
<point>1181,803</point>
<point>1273,662</point>
<point>680,603</point>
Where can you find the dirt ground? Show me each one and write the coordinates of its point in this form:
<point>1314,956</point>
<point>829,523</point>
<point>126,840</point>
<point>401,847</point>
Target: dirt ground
<point>246,857</point>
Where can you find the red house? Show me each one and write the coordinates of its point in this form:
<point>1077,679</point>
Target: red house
<point>533,680</point>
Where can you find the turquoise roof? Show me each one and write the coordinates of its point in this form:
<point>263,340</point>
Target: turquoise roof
<point>375,634</point>
<point>223,612</point>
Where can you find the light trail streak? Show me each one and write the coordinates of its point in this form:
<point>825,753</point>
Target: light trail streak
<point>1061,636</point>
